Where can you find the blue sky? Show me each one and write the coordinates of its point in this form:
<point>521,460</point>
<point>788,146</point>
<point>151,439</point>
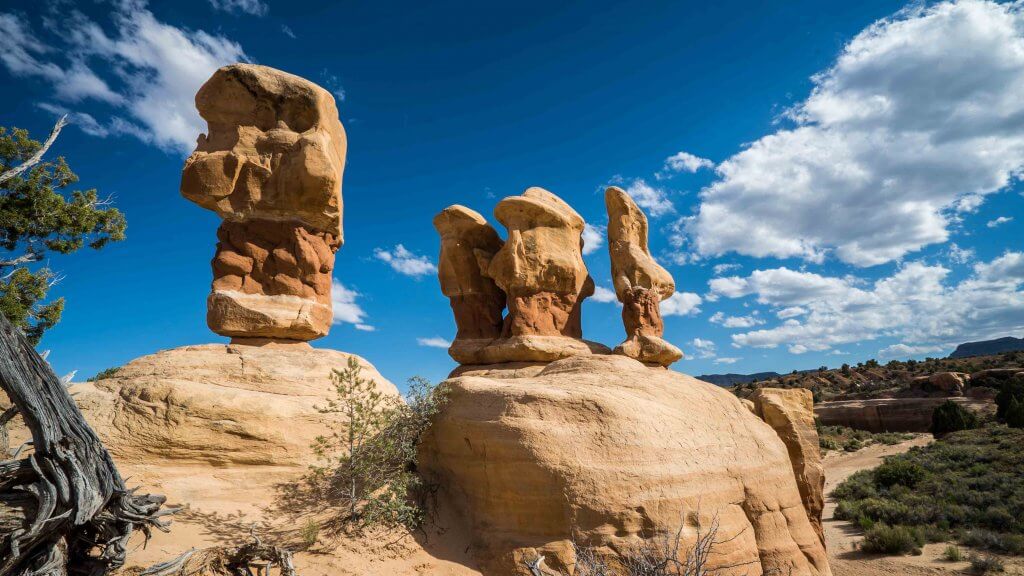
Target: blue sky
<point>827,181</point>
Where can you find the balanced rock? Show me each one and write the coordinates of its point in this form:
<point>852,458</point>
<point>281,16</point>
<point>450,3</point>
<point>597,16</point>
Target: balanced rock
<point>953,383</point>
<point>271,166</point>
<point>608,453</point>
<point>477,302</point>
<point>790,412</point>
<point>640,282</point>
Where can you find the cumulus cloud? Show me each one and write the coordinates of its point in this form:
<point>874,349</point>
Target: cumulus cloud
<point>252,7</point>
<point>593,238</point>
<point>604,295</point>
<point>653,200</point>
<point>433,342</point>
<point>920,116</point>
<point>720,269</point>
<point>791,312</point>
<point>905,351</point>
<point>346,310</point>
<point>916,304</point>
<point>960,255</point>
<point>683,162</point>
<point>999,221</point>
<point>681,304</point>
<point>735,321</point>
<point>705,348</point>
<point>405,262</point>
<point>151,70</point>
<point>726,360</point>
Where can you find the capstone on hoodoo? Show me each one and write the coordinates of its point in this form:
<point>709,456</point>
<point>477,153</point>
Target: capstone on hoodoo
<point>271,167</point>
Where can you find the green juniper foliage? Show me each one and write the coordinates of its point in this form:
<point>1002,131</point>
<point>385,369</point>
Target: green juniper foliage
<point>967,486</point>
<point>1015,413</point>
<point>368,464</point>
<point>36,218</point>
<point>952,417</point>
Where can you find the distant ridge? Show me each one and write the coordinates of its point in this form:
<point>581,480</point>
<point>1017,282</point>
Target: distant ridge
<point>732,379</point>
<point>986,347</point>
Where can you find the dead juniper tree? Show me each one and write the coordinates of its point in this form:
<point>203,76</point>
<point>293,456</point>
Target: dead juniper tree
<point>64,508</point>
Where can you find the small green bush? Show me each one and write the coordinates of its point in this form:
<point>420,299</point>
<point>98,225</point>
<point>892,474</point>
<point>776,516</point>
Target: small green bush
<point>1012,389</point>
<point>952,554</point>
<point>103,374</point>
<point>893,540</point>
<point>898,472</point>
<point>986,564</point>
<point>1015,413</point>
<point>951,417</point>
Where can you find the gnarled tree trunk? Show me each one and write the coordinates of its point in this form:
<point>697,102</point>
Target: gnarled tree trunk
<point>64,509</point>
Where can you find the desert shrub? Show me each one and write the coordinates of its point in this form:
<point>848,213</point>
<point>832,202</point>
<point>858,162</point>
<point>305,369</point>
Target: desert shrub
<point>966,486</point>
<point>105,373</point>
<point>951,417</point>
<point>1009,390</point>
<point>898,472</point>
<point>986,564</point>
<point>884,539</point>
<point>367,465</point>
<point>1015,413</point>
<point>952,554</point>
<point>850,440</point>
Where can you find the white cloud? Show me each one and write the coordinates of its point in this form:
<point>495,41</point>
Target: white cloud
<point>593,238</point>
<point>346,311</point>
<point>287,31</point>
<point>405,262</point>
<point>705,348</point>
<point>433,342</point>
<point>959,255</point>
<point>681,304</point>
<point>252,7</point>
<point>683,162</point>
<point>720,269</point>
<point>917,305</point>
<point>333,85</point>
<point>726,360</point>
<point>604,295</point>
<point>735,321</point>
<point>653,200</point>
<point>919,116</point>
<point>998,221</point>
<point>791,312</point>
<point>905,351</point>
<point>152,70</point>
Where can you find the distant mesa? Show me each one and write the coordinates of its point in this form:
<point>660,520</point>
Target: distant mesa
<point>986,347</point>
<point>271,167</point>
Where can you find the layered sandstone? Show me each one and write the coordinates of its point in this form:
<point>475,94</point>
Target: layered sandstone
<point>607,452</point>
<point>640,282</point>
<point>538,270</point>
<point>790,412</point>
<point>271,165</point>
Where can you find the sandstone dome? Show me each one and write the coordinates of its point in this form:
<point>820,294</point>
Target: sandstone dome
<point>604,451</point>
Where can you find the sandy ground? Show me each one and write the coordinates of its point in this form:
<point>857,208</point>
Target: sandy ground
<point>841,536</point>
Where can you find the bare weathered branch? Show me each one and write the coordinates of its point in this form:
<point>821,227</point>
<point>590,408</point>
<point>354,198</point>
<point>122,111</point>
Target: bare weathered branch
<point>35,158</point>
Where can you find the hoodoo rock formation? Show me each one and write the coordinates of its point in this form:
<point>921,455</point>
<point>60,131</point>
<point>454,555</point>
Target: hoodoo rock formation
<point>640,282</point>
<point>606,452</point>
<point>477,302</point>
<point>271,166</point>
<point>539,269</point>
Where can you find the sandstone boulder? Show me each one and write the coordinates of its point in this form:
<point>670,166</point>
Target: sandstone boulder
<point>790,412</point>
<point>271,166</point>
<point>953,383</point>
<point>607,452</point>
<point>640,282</point>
